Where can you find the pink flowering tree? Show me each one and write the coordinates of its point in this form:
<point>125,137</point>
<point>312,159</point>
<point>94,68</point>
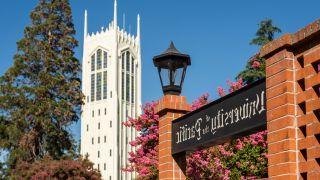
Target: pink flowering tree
<point>241,158</point>
<point>254,70</point>
<point>144,159</point>
<point>202,100</point>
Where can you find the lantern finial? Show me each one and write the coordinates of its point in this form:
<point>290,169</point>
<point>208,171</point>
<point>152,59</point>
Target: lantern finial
<point>172,66</point>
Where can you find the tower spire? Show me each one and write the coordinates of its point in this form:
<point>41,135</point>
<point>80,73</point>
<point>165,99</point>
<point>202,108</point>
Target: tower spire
<point>115,15</point>
<point>139,64</point>
<point>124,21</point>
<point>138,28</point>
<point>85,33</point>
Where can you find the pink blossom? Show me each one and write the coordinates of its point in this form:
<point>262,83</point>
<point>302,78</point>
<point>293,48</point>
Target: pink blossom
<point>256,64</point>
<point>202,100</point>
<point>226,174</point>
<point>144,160</point>
<point>239,145</point>
<point>213,163</point>
<point>221,91</point>
<point>235,85</point>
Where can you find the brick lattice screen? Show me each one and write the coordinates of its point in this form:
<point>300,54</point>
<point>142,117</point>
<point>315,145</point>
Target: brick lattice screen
<point>293,104</point>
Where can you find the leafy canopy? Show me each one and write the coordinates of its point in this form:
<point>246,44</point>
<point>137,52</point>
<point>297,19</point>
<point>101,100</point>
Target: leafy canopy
<point>265,33</point>
<point>255,67</point>
<point>40,95</point>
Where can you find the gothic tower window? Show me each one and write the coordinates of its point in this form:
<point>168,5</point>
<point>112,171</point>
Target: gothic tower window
<point>122,85</point>
<point>93,62</point>
<point>132,80</point>
<point>99,63</point>
<point>105,59</point>
<point>122,57</point>
<point>122,74</point>
<point>105,94</point>
<point>132,65</point>
<point>128,61</point>
<point>128,87</point>
<point>127,76</point>
<point>92,87</point>
<point>132,89</point>
<point>98,95</point>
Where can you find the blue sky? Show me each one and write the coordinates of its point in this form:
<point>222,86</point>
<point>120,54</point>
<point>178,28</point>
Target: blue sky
<point>216,34</point>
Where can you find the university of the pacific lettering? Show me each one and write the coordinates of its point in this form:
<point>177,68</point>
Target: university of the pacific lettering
<point>222,118</point>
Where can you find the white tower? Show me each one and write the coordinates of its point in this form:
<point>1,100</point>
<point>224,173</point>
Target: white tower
<point>111,83</point>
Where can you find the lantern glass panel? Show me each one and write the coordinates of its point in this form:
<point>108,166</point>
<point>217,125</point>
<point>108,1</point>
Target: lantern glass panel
<point>177,75</point>
<point>165,76</point>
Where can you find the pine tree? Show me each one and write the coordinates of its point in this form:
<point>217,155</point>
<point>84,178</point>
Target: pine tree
<point>255,67</point>
<point>40,95</point>
<point>265,33</point>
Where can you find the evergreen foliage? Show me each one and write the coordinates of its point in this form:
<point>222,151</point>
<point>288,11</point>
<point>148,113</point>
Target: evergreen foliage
<point>255,67</point>
<point>265,33</point>
<point>40,95</point>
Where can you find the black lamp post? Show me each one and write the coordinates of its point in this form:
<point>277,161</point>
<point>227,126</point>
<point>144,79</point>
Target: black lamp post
<point>172,66</point>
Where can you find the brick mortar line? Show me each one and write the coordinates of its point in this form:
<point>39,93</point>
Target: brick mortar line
<point>296,119</point>
<point>313,147</point>
<point>166,141</point>
<point>163,150</point>
<point>282,164</point>
<point>164,155</point>
<point>282,106</point>
<point>287,127</point>
<point>279,95</point>
<point>166,171</point>
<point>312,135</point>
<point>306,54</point>
<point>173,162</point>
<point>280,60</point>
<point>282,152</point>
<point>283,175</point>
<point>281,118</point>
<point>277,62</point>
<point>164,127</point>
<point>281,141</point>
<point>279,84</point>
<point>165,133</point>
<point>164,163</point>
<point>276,74</point>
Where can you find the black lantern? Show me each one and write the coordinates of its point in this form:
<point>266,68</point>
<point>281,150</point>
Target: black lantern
<point>172,66</point>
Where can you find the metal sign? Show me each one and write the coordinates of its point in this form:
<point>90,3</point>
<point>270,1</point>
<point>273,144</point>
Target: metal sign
<point>235,114</point>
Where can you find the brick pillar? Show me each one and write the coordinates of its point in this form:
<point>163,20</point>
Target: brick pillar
<point>170,107</point>
<point>293,104</point>
<point>281,116</point>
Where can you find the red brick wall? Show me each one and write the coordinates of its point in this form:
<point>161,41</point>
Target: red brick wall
<point>293,104</point>
<point>169,107</point>
<point>293,109</point>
